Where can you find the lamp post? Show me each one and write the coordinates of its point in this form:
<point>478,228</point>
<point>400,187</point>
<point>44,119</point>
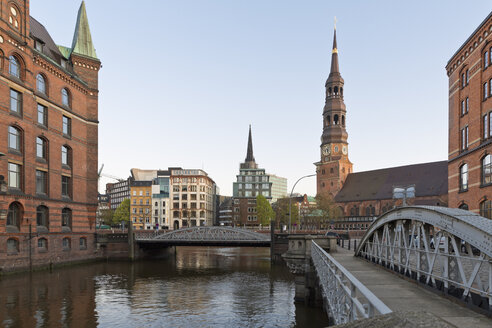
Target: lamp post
<point>290,198</point>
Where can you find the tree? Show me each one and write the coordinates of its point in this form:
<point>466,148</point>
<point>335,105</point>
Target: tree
<point>282,211</point>
<point>106,216</point>
<point>329,210</point>
<point>264,210</point>
<point>122,213</point>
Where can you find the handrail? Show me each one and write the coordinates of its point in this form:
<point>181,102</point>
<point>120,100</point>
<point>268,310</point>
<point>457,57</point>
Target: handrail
<point>348,299</point>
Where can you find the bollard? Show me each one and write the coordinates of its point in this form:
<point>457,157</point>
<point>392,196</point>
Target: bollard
<point>343,241</point>
<point>355,244</point>
<point>348,244</point>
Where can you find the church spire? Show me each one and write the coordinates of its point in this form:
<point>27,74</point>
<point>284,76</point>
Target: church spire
<point>82,39</point>
<point>249,154</point>
<point>334,55</point>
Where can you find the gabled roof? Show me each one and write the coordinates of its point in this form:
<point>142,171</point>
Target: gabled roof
<point>430,179</point>
<point>50,49</point>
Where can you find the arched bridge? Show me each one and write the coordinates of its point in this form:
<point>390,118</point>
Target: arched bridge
<point>444,248</point>
<point>205,236</point>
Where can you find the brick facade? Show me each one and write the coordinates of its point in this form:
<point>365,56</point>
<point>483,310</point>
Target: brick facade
<point>470,76</point>
<point>37,55</point>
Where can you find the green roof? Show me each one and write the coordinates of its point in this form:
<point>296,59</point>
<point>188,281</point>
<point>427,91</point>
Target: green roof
<point>65,51</point>
<point>82,39</point>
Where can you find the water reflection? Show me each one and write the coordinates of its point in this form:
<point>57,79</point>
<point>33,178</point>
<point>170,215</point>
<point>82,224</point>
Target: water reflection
<point>198,287</point>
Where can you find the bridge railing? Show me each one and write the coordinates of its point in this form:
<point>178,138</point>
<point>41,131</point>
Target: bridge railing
<point>348,299</point>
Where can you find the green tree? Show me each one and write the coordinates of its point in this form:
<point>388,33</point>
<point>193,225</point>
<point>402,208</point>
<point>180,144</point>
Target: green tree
<point>264,210</point>
<point>122,213</point>
<point>282,211</point>
<point>107,216</point>
<point>328,209</point>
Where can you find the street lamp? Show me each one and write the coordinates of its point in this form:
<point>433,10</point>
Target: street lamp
<point>290,198</point>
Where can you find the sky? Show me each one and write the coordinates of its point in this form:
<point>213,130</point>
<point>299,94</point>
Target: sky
<point>182,80</point>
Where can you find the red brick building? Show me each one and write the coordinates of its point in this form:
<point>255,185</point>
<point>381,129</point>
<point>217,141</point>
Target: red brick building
<point>470,122</point>
<point>49,141</point>
<point>362,196</point>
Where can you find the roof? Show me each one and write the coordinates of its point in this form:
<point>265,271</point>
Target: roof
<point>50,49</point>
<point>82,39</point>
<point>430,179</point>
<point>470,37</point>
<point>141,183</point>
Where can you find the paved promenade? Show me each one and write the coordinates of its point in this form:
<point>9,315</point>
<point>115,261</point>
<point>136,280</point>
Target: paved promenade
<point>402,295</point>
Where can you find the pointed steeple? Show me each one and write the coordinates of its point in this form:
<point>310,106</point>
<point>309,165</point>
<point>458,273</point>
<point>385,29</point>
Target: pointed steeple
<point>334,55</point>
<point>82,39</point>
<point>249,154</point>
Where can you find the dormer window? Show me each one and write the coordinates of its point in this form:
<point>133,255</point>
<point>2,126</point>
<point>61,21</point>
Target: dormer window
<point>63,63</point>
<point>38,45</point>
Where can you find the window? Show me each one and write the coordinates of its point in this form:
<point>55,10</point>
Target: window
<point>14,67</point>
<point>485,126</point>
<point>65,97</point>
<point>464,177</point>
<point>487,170</point>
<point>486,209</point>
<point>66,244</point>
<point>14,216</point>
<point>41,146</point>
<point>14,176</point>
<point>485,90</point>
<point>67,218</point>
<point>14,139</point>
<point>41,84</point>
<point>15,102</point>
<point>464,138</point>
<point>486,60</point>
<point>12,246</point>
<point>467,76</point>
<point>67,126</point>
<point>66,158</point>
<point>463,82</point>
<point>42,216</point>
<point>42,115</point>
<point>65,181</point>
<point>467,106</point>
<point>41,182</point>
<point>14,17</point>
<point>83,243</point>
<point>462,107</point>
<point>43,244</point>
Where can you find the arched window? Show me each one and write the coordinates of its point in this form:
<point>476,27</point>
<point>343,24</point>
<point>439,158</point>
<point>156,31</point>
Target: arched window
<point>42,216</point>
<point>14,67</point>
<point>329,90</point>
<point>12,246</point>
<point>464,207</point>
<point>83,243</point>
<point>66,153</point>
<point>14,216</point>
<point>42,244</point>
<point>41,84</point>
<point>335,90</point>
<point>335,119</point>
<point>343,120</point>
<point>65,97</point>
<point>67,219</point>
<point>487,170</point>
<point>66,244</point>
<point>341,91</point>
<point>41,148</point>
<point>486,209</point>
<point>15,17</point>
<point>15,139</point>
<point>464,177</point>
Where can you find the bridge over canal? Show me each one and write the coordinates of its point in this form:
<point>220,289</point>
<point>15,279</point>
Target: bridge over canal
<point>204,236</point>
<point>433,260</point>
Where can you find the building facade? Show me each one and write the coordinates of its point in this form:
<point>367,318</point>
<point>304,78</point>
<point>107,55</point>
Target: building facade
<point>251,182</point>
<point>279,186</point>
<point>470,122</point>
<point>140,204</point>
<point>49,119</point>
<point>102,206</point>
<point>160,200</point>
<point>118,192</point>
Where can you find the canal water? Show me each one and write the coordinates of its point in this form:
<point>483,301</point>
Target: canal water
<point>198,287</point>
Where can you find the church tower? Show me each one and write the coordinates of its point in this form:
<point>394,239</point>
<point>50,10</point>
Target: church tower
<point>334,166</point>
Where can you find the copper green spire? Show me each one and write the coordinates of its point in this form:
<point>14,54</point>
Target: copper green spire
<point>82,40</point>
<point>249,154</point>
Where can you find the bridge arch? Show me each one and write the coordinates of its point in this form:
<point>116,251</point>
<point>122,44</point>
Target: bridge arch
<point>445,248</point>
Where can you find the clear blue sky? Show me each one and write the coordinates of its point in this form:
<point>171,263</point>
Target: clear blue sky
<point>182,80</point>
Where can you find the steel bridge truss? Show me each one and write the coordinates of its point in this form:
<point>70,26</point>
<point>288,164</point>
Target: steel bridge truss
<point>347,298</point>
<point>447,249</point>
<point>205,235</point>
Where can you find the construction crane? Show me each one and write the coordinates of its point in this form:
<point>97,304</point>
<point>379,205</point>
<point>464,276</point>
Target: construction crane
<point>100,174</point>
